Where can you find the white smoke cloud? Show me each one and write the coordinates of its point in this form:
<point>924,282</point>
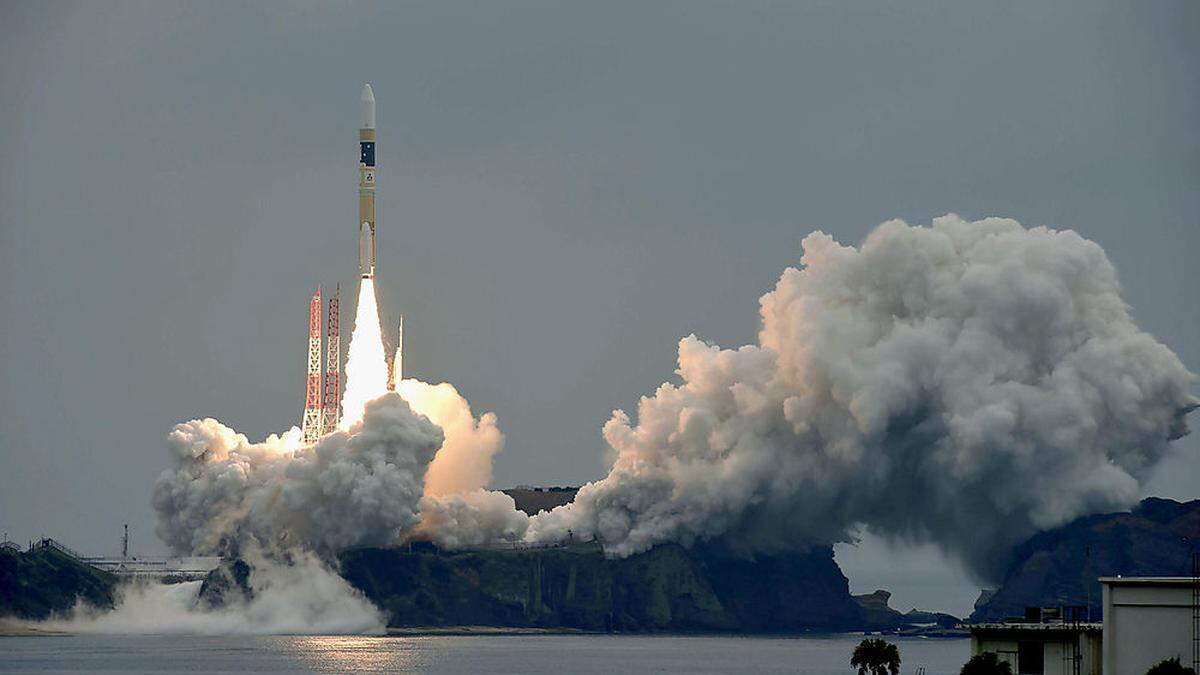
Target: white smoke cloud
<point>419,456</point>
<point>303,597</point>
<point>966,384</point>
<point>471,519</point>
<point>457,511</point>
<point>464,462</point>
<point>356,488</point>
<point>400,460</point>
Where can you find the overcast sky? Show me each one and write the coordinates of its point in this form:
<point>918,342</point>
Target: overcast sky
<point>565,190</point>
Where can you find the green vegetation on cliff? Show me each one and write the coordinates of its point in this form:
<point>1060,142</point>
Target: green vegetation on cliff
<point>39,583</point>
<point>668,588</point>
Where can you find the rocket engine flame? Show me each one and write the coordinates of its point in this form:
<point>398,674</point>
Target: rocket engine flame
<point>366,363</point>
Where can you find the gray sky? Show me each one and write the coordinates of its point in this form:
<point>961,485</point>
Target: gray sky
<point>566,189</point>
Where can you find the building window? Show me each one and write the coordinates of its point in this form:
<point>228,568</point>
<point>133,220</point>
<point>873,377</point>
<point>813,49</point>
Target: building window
<point>1030,658</point>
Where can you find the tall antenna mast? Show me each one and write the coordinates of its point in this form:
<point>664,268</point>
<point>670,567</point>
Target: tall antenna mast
<point>310,425</point>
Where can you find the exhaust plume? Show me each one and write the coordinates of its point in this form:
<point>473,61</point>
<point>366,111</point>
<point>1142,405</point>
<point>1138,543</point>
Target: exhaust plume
<point>352,488</point>
<point>966,384</point>
<point>366,364</point>
<point>418,449</point>
<point>464,462</point>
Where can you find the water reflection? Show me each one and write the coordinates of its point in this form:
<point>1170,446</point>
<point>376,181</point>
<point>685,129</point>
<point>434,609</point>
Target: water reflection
<point>358,654</point>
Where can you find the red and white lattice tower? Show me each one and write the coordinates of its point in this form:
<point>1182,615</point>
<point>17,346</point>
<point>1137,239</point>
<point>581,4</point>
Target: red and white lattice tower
<point>311,423</point>
<point>333,363</point>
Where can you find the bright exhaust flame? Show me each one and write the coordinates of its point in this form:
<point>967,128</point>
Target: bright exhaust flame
<point>366,365</point>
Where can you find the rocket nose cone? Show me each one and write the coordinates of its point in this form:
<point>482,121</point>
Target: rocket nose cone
<point>368,107</point>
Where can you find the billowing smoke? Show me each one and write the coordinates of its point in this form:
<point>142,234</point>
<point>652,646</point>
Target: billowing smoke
<point>401,466</point>
<point>370,486</point>
<point>967,384</point>
<point>464,462</point>
<point>356,488</point>
<point>303,597</point>
<point>457,511</point>
<point>471,519</point>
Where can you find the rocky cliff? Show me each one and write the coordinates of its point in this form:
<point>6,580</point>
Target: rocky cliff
<point>669,588</point>
<point>36,584</point>
<point>1061,566</point>
<point>878,613</point>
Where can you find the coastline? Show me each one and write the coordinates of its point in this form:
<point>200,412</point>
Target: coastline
<point>10,627</point>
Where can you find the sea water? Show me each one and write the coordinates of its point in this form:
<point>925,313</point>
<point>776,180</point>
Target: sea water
<point>575,654</point>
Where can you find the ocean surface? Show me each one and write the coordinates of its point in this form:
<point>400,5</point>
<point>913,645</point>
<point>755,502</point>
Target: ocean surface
<point>576,654</point>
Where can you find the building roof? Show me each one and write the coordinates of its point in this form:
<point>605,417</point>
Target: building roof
<point>1148,581</point>
<point>1041,628</point>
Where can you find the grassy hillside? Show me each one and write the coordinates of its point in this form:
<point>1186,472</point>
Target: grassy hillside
<point>37,584</point>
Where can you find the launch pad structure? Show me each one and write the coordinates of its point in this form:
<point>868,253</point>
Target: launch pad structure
<point>322,388</point>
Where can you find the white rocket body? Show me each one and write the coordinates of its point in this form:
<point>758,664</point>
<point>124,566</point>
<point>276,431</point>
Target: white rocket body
<point>366,186</point>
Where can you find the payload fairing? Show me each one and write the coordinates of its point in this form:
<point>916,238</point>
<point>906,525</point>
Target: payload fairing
<point>366,186</point>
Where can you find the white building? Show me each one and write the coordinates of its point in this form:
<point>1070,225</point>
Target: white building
<point>1042,646</point>
<point>1146,620</point>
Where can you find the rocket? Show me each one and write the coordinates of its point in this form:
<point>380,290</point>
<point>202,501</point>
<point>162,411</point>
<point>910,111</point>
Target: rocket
<point>366,186</point>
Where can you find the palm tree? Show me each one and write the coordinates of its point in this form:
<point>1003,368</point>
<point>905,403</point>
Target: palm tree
<point>987,663</point>
<point>1170,667</point>
<point>876,657</point>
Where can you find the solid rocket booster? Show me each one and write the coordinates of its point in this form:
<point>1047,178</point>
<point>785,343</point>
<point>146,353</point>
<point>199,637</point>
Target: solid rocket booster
<point>398,360</point>
<point>366,186</point>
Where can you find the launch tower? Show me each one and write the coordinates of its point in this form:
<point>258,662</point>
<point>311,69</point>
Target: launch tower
<point>310,425</point>
<point>333,364</point>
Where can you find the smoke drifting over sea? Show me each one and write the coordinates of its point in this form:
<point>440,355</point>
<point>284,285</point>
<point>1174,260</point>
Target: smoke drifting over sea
<point>966,384</point>
<point>302,597</point>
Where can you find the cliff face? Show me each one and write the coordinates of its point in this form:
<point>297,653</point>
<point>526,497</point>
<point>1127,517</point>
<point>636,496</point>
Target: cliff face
<point>1060,566</point>
<point>668,588</point>
<point>230,579</point>
<point>37,584</point>
<point>878,613</point>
